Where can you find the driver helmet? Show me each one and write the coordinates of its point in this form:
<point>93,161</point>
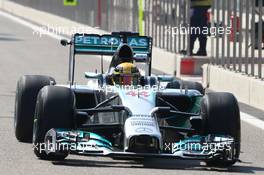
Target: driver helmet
<point>126,74</point>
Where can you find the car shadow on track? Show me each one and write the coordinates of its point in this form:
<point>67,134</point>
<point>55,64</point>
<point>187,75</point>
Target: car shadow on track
<point>4,39</point>
<point>160,164</point>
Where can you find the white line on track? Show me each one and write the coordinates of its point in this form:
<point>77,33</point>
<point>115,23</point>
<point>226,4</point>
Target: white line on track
<point>252,120</point>
<point>244,117</point>
<point>34,27</point>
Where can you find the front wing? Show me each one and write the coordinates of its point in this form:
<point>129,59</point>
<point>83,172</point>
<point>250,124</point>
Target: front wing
<point>90,144</point>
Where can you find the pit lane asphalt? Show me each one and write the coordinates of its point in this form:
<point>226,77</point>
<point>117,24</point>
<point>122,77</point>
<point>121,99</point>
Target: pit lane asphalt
<point>22,53</point>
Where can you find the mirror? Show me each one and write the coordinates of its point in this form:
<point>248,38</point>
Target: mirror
<point>92,75</point>
<point>65,42</point>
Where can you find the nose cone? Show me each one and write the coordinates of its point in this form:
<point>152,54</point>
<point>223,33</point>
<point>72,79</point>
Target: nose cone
<point>142,133</point>
<point>139,102</point>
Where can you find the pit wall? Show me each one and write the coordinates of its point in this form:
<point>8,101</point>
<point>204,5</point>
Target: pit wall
<point>248,90</point>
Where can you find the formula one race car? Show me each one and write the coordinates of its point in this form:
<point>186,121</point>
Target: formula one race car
<point>125,112</point>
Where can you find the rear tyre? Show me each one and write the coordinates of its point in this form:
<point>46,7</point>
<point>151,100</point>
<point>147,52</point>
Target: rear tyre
<point>189,84</point>
<point>27,90</point>
<point>221,115</point>
<point>54,109</point>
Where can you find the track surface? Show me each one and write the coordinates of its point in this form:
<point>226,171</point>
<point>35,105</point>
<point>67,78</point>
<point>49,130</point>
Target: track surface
<point>22,53</point>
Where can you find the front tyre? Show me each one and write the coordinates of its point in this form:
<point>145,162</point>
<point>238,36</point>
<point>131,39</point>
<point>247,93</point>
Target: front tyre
<point>27,90</point>
<point>221,115</point>
<point>54,109</point>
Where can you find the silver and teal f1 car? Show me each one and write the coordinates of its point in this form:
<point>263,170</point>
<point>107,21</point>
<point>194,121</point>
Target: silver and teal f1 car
<point>162,117</point>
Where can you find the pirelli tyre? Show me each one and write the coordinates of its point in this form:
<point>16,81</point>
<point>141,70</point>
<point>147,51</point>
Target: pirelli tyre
<point>186,84</point>
<point>27,90</point>
<point>221,115</point>
<point>54,109</point>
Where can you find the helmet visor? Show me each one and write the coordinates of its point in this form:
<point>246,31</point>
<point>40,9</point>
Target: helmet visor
<point>126,79</point>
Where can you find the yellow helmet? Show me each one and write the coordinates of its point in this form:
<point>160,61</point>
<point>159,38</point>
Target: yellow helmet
<point>126,74</point>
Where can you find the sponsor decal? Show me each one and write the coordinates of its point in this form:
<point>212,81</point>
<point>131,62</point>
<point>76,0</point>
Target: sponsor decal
<point>110,40</point>
<point>142,123</point>
<point>97,40</point>
<point>144,130</point>
<point>141,93</point>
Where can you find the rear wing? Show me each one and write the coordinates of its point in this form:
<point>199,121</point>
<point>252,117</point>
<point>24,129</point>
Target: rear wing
<point>108,44</point>
<point>93,44</point>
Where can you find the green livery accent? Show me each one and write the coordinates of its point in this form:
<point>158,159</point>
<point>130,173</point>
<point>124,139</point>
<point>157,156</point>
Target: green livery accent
<point>70,2</point>
<point>141,16</point>
<point>83,137</point>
